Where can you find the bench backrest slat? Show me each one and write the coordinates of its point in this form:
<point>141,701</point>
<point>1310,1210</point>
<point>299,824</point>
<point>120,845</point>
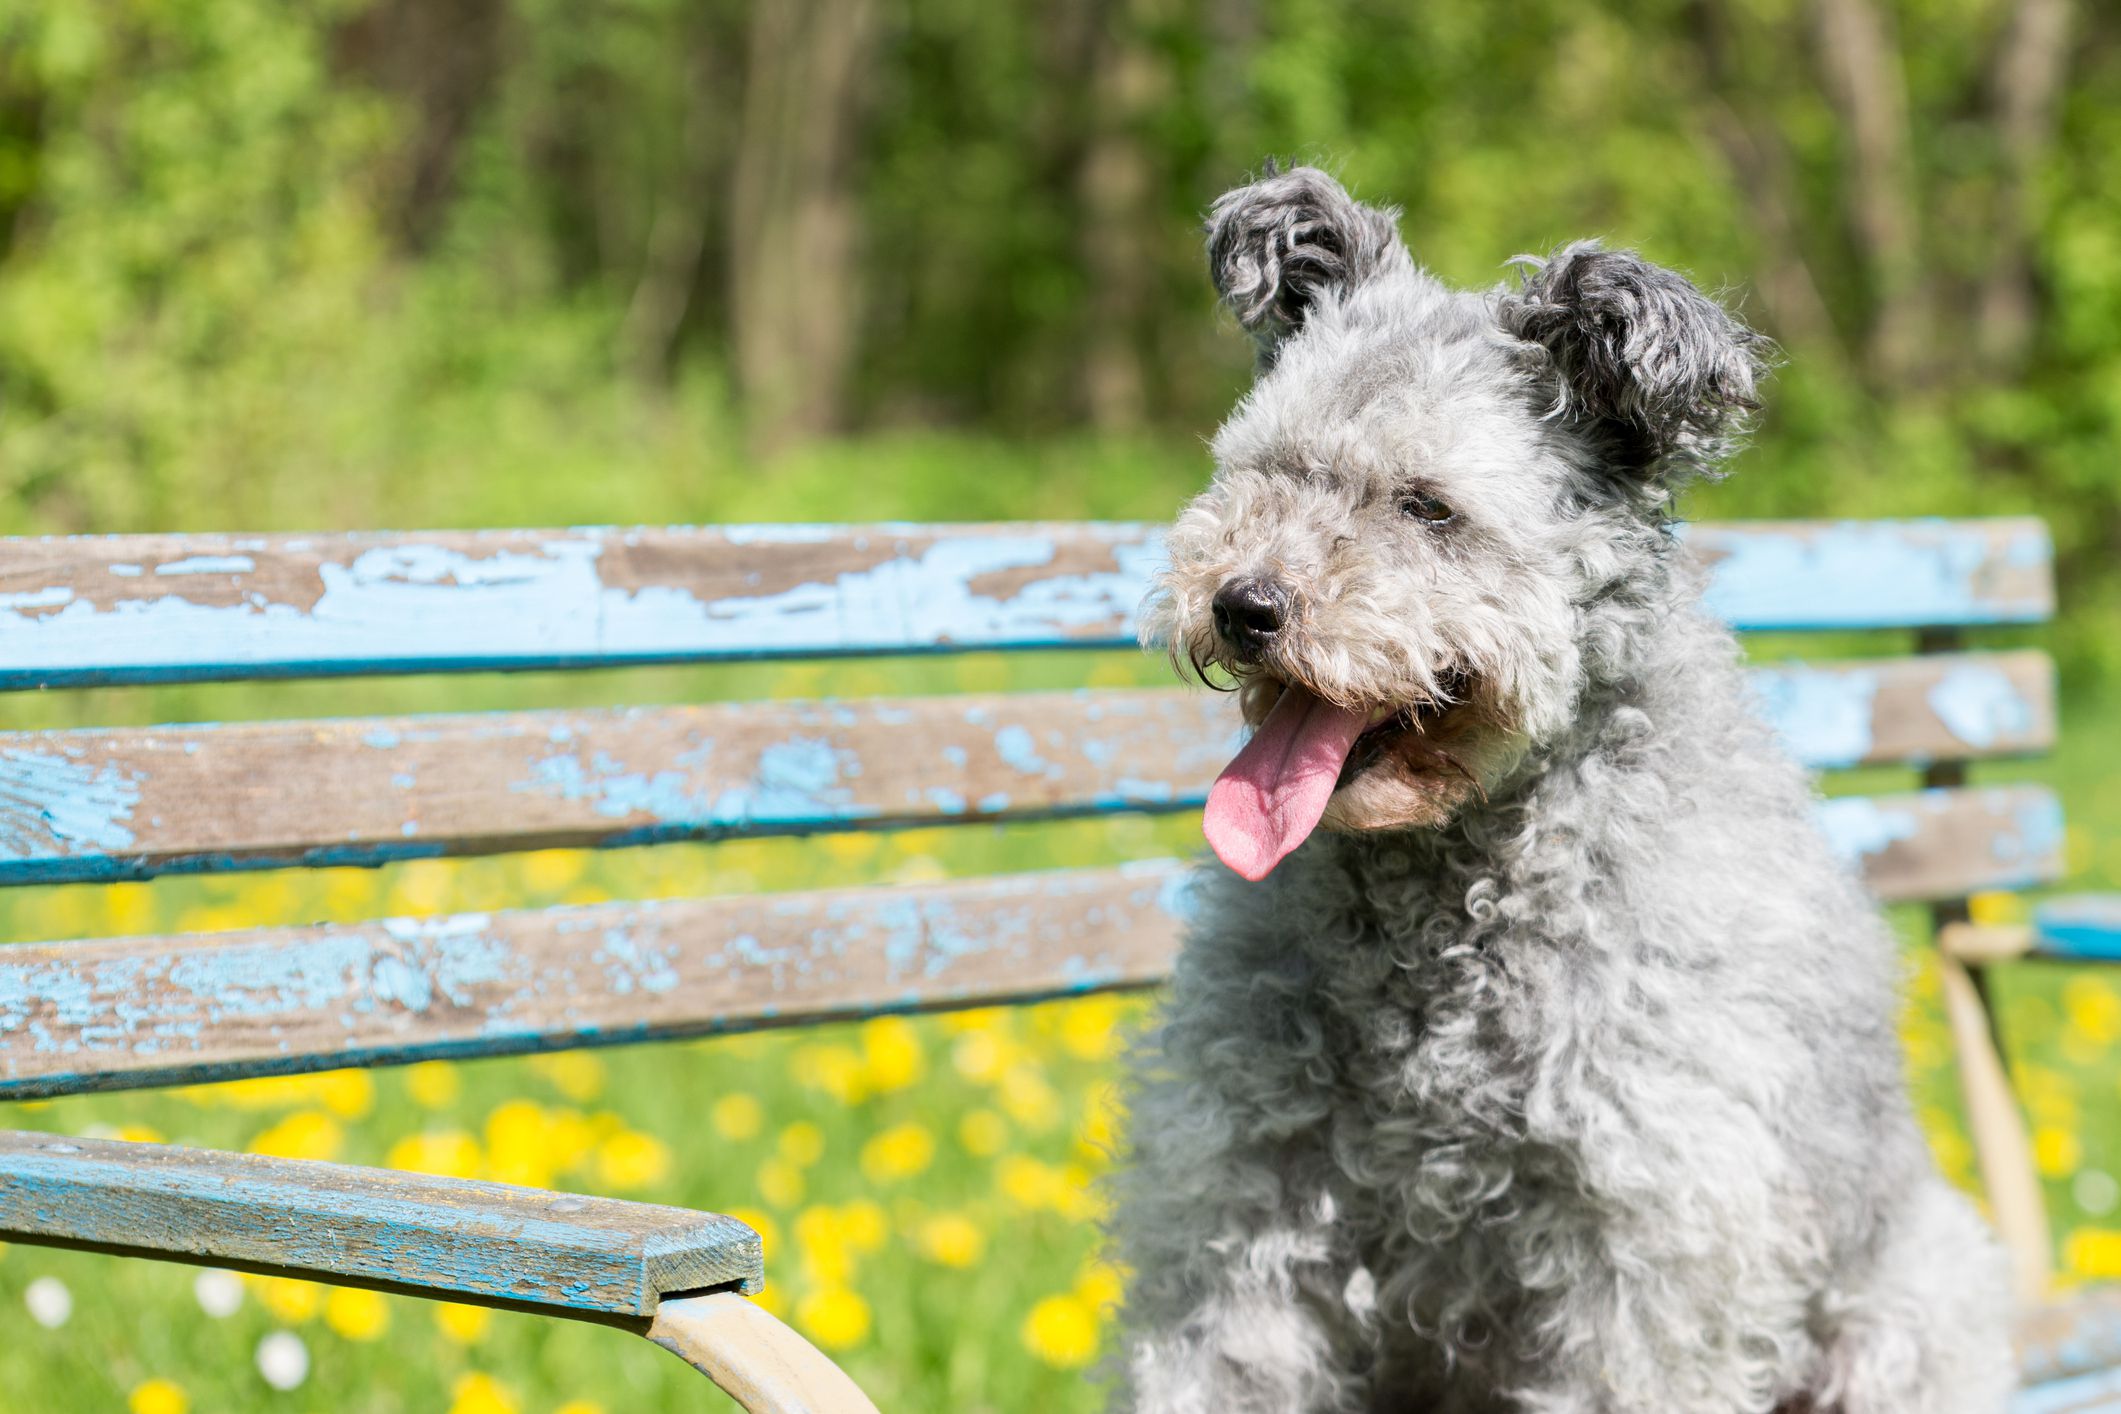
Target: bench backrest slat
<point>119,1013</point>
<point>176,608</point>
<point>100,805</point>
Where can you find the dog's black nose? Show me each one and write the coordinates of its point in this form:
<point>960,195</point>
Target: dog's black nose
<point>1248,613</point>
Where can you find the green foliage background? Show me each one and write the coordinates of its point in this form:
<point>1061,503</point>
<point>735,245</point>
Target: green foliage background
<point>292,264</point>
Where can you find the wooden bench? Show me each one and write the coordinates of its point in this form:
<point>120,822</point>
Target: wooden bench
<point>137,803</point>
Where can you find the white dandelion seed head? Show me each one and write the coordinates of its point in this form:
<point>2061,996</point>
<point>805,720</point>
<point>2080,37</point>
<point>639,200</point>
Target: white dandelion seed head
<point>283,1360</point>
<point>50,1303</point>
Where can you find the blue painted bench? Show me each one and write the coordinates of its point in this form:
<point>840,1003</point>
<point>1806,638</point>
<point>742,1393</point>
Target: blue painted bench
<point>138,803</point>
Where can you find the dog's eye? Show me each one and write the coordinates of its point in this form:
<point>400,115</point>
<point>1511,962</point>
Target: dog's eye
<point>1419,505</point>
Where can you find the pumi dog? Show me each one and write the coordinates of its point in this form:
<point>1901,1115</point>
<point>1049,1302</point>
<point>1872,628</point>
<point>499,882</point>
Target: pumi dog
<point>1530,1051</point>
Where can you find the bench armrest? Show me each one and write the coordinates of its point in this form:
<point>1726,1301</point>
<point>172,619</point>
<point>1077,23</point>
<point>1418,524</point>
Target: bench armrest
<point>488,1243</point>
<point>676,1276</point>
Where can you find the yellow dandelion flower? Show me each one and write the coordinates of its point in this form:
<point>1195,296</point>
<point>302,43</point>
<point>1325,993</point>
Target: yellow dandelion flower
<point>127,909</point>
<point>356,1314</point>
<point>290,1300</point>
<point>738,1117</point>
<point>1028,1098</point>
<point>1996,909</point>
<point>899,1152</point>
<point>802,1143</point>
<point>448,1153</point>
<point>1100,1286</point>
<point>1062,1332</point>
<point>2055,1151</point>
<point>157,1397</point>
<point>2093,1007</point>
<point>833,1316</point>
<point>569,1138</point>
<point>780,1183</point>
<point>828,1258</point>
<point>578,1075</point>
<point>1089,1029</point>
<point>481,1394</point>
<point>986,1018</point>
<point>137,1134</point>
<point>349,1094</point>
<point>951,1240</point>
<point>1026,1182</point>
<point>836,1070</point>
<point>1075,1195</point>
<point>2093,1252</point>
<point>434,1085</point>
<point>580,1406</point>
<point>891,1049</point>
<point>550,870</point>
<point>305,1134</point>
<point>983,1133</point>
<point>461,1324</point>
<point>631,1159</point>
<point>981,1056</point>
<point>516,1149</point>
<point>864,1225</point>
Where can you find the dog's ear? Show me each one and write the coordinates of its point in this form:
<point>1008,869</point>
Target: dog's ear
<point>1275,246</point>
<point>1667,374</point>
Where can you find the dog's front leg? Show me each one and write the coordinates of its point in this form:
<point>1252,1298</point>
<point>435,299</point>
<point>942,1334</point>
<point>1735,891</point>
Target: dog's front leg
<point>1240,1300</point>
<point>1244,1294</point>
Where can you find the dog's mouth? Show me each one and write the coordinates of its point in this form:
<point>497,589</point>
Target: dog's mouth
<point>1271,797</point>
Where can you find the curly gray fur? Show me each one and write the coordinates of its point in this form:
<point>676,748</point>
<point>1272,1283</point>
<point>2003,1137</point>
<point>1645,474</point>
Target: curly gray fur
<point>1588,1100</point>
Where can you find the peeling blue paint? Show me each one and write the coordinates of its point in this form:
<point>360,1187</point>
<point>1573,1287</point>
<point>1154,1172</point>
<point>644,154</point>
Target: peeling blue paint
<point>1823,717</point>
<point>49,802</point>
<point>1858,826</point>
<point>209,564</point>
<point>1017,750</point>
<point>1980,705</point>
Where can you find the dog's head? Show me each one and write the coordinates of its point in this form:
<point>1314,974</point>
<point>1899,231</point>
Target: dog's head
<point>1423,505</point>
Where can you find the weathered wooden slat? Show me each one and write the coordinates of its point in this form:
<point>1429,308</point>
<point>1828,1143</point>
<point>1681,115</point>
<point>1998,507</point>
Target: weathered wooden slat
<point>120,1013</point>
<point>1942,707</point>
<point>171,608</point>
<point>471,1241</point>
<point>1945,844</point>
<point>130,804</point>
<point>102,805</point>
<point>1877,573</point>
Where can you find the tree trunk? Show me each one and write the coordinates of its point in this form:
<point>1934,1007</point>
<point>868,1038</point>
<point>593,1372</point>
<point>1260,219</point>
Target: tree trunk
<point>2025,92</point>
<point>1859,60</point>
<point>795,216</point>
<point>1115,184</point>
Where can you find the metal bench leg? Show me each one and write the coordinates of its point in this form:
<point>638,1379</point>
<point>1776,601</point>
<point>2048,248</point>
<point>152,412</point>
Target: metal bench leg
<point>756,1360</point>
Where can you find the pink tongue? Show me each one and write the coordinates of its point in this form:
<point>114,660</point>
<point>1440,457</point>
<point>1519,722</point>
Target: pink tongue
<point>1268,799</point>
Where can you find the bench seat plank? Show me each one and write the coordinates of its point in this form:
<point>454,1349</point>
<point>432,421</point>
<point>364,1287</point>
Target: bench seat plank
<point>191,608</point>
<point>471,1241</point>
<point>2081,927</point>
<point>118,1013</point>
<point>135,803</point>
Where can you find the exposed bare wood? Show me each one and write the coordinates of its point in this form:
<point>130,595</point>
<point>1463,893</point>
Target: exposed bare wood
<point>1978,945</point>
<point>754,1358</point>
<point>2004,1153</point>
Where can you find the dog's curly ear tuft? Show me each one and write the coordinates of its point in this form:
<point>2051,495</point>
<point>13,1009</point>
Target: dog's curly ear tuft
<point>1276,245</point>
<point>1636,350</point>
